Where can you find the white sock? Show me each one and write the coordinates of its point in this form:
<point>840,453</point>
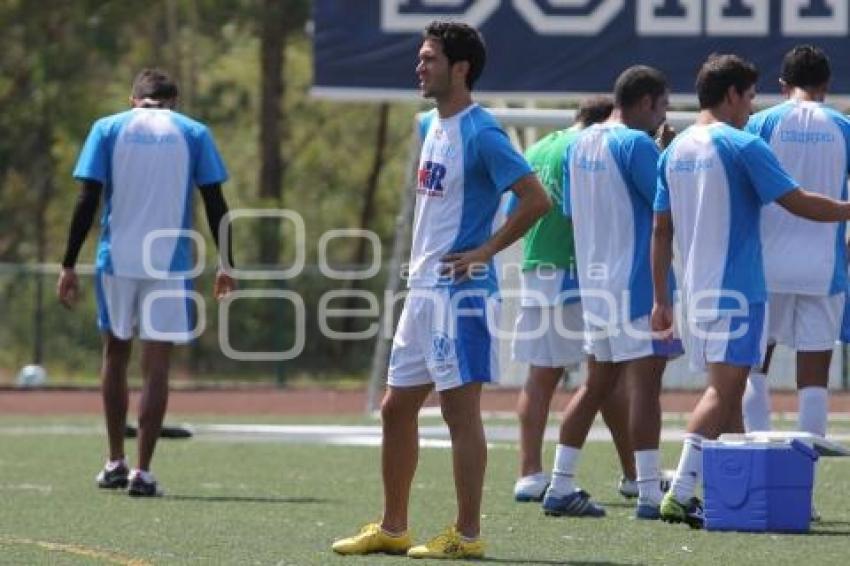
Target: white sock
<point>566,459</point>
<point>535,478</point>
<point>689,471</point>
<point>756,403</point>
<point>813,408</point>
<point>112,464</point>
<point>648,470</point>
<point>147,477</point>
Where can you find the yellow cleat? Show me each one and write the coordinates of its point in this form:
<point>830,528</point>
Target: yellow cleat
<point>371,539</point>
<point>448,544</point>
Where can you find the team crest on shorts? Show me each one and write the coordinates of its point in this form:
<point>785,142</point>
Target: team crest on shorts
<point>441,349</point>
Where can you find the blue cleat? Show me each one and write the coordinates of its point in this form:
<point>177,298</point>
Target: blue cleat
<point>648,511</point>
<point>576,504</point>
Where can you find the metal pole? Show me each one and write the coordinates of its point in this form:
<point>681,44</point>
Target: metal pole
<point>403,224</point>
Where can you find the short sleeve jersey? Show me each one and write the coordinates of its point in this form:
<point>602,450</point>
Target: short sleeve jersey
<point>148,161</point>
<point>467,162</point>
<point>548,250</point>
<point>609,184</point>
<point>812,142</point>
<point>714,180</point>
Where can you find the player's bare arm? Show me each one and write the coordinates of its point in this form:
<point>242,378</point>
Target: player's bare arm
<point>533,203</point>
<point>662,255</point>
<point>814,206</point>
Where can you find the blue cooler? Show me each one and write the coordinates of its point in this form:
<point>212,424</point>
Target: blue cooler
<point>758,486</point>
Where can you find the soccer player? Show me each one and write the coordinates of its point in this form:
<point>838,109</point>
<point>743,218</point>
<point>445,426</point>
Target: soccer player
<point>812,142</point>
<point>444,340</point>
<point>145,162</point>
<point>713,181</point>
<point>548,270</point>
<point>609,184</point>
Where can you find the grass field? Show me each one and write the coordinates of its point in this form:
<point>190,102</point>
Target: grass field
<point>275,503</point>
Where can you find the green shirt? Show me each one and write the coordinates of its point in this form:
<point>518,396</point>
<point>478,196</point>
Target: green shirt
<point>550,240</point>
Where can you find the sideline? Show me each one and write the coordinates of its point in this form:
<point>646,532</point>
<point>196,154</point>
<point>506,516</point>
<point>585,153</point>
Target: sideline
<point>77,550</point>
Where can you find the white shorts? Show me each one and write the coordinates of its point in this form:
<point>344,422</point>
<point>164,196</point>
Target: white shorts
<point>806,323</point>
<point>445,337</point>
<point>549,336</point>
<point>162,310</point>
<point>734,340</point>
<point>622,343</point>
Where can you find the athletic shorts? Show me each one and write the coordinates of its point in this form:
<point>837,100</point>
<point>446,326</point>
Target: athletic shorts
<point>734,340</point>
<point>625,342</point>
<point>549,336</point>
<point>161,310</point>
<point>445,337</point>
<point>806,323</point>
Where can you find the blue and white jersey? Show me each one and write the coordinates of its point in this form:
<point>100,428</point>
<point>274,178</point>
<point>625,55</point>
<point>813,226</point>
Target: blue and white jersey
<point>812,142</point>
<point>148,161</point>
<point>610,176</point>
<point>714,180</point>
<point>467,162</point>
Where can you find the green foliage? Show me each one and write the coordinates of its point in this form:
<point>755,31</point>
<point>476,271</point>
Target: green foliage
<point>64,64</point>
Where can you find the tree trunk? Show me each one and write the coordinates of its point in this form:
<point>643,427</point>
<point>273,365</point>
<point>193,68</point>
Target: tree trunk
<point>367,212</point>
<point>273,35</point>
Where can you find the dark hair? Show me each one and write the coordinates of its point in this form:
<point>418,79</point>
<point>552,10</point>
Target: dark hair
<point>718,73</point>
<point>594,110</point>
<point>155,84</point>
<point>636,82</point>
<point>460,43</point>
<point>805,66</point>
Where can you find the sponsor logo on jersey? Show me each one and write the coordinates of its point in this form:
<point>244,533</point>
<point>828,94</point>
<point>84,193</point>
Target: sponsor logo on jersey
<point>431,175</point>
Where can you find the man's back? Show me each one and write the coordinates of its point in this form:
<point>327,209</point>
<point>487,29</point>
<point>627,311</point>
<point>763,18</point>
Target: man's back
<point>609,185</point>
<point>148,161</point>
<point>812,142</point>
<point>714,180</point>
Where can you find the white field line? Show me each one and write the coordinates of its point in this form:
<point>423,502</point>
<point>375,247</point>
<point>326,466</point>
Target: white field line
<point>432,436</point>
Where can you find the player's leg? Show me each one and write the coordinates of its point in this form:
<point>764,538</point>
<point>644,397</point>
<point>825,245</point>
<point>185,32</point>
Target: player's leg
<point>116,355</point>
<point>408,386</point>
<point>726,383</point>
<point>562,497</point>
<point>643,377</point>
<point>463,355</point>
<point>166,317</point>
<point>535,342</point>
<point>818,324</point>
<point>819,321</point>
<point>399,451</point>
<point>615,413</point>
<point>812,392</point>
<point>727,347</point>
<point>533,411</point>
<point>461,408</point>
<point>756,401</point>
<point>155,363</point>
<point>560,347</point>
<point>115,298</point>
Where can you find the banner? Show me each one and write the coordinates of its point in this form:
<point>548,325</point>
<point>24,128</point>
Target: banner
<point>549,48</point>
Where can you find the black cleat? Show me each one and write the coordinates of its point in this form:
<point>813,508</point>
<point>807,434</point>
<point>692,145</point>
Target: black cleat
<point>116,478</point>
<point>141,488</point>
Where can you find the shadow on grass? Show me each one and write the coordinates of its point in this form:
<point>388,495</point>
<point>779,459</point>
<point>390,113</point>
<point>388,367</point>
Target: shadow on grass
<point>830,533</point>
<point>244,499</point>
<point>545,562</point>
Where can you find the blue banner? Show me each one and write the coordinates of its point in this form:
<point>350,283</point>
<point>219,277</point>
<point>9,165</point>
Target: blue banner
<point>545,48</point>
